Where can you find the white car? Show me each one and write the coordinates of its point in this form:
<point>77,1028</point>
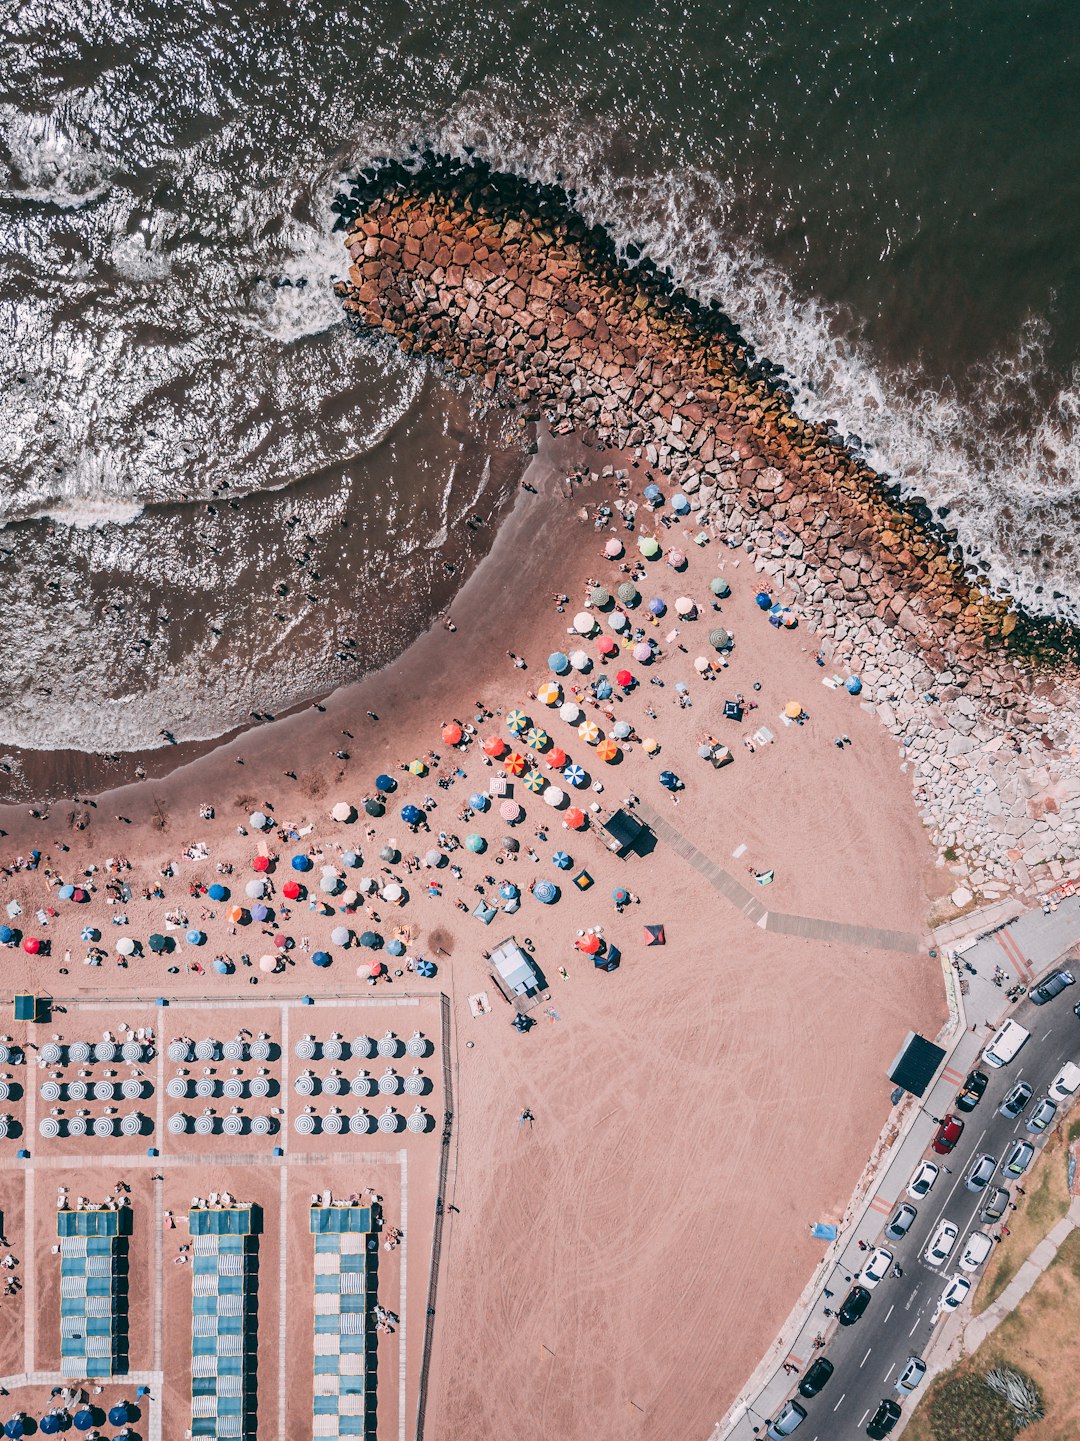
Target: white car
<point>877,1268</point>
<point>922,1181</point>
<point>954,1293</point>
<point>979,1245</point>
<point>941,1243</point>
<point>1065,1082</point>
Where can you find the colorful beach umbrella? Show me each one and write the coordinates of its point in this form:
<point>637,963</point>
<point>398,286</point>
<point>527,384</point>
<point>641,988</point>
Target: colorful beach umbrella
<point>479,801</point>
<point>418,768</point>
<point>31,945</point>
<point>649,547</point>
<point>374,808</point>
<point>533,781</point>
<point>574,774</point>
<point>653,494</point>
<point>546,892</point>
<point>562,860</point>
<point>549,693</point>
<point>494,746</point>
<point>510,811</point>
<point>624,679</point>
<point>621,730</point>
<point>589,943</point>
<point>642,652</point>
<point>657,606</point>
<point>411,815</point>
<point>236,915</point>
<point>685,606</point>
<point>475,843</point>
<point>599,597</point>
<point>536,738</point>
<point>260,913</point>
<point>607,645</point>
<point>321,959</point>
<point>514,763</point>
<point>719,587</point>
<point>608,751</point>
<point>90,933</point>
<point>292,890</point>
<point>518,721</point>
<point>589,732</point>
<point>217,893</point>
<point>614,548</point>
<point>763,600</point>
<point>66,893</point>
<point>575,819</point>
<point>555,758</point>
<point>679,504</point>
<point>261,864</point>
<point>676,559</point>
<point>629,594</point>
<point>793,710</point>
<point>452,733</point>
<point>719,638</point>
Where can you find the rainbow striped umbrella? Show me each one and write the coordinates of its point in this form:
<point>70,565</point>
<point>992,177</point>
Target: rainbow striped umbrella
<point>514,763</point>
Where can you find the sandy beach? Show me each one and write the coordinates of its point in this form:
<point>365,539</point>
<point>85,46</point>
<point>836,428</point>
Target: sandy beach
<point>600,1268</point>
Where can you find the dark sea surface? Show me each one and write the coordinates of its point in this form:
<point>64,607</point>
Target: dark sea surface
<point>885,197</point>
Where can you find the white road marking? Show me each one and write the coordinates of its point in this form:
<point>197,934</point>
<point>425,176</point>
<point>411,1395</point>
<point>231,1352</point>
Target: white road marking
<point>863,1362</point>
<point>916,1325</point>
<point>864,1415</point>
<point>1048,1032</point>
<point>888,1314</point>
<point>889,1372</point>
<point>838,1404</point>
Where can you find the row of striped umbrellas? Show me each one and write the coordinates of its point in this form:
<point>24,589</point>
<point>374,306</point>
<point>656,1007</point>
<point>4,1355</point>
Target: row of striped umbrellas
<point>208,1124</point>
<point>362,1122</point>
<point>133,1124</point>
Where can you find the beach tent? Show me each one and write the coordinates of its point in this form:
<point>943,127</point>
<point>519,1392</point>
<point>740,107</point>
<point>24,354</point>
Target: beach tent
<point>654,936</point>
<point>607,960</point>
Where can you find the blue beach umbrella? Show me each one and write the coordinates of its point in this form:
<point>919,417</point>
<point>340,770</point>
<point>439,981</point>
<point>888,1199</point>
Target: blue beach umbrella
<point>509,891</point>
<point>653,493</point>
<point>350,859</point>
<point>763,600</point>
<point>853,685</point>
<point>546,892</point>
<point>258,820</point>
<point>479,801</point>
<point>669,780</point>
<point>374,808</point>
<point>15,1427</point>
<point>562,860</point>
<point>7,935</point>
<point>679,504</point>
<point>371,939</point>
<point>602,689</point>
<point>426,969</point>
<point>385,783</point>
<point>119,1415</point>
<point>90,933</point>
<point>260,913</point>
<point>83,1420</point>
<point>218,893</point>
<point>395,947</point>
<point>574,774</point>
<point>49,1424</point>
<point>475,843</point>
<point>320,958</point>
<point>411,815</point>
<point>195,938</point>
<point>301,863</point>
<point>657,606</point>
<point>66,892</point>
<point>558,662</point>
<point>223,968</point>
<point>621,730</point>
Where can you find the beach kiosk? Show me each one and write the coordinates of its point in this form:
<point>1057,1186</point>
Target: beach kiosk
<point>624,831</point>
<point>517,975</point>
<point>32,1008</point>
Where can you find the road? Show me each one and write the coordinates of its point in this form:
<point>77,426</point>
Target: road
<point>901,1317</point>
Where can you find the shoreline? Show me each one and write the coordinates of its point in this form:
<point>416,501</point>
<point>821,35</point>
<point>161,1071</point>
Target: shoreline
<point>501,281</point>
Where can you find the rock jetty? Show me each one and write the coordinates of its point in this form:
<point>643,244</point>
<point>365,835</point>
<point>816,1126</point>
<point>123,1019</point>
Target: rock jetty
<point>497,279</point>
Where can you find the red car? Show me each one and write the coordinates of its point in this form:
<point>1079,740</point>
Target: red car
<point>948,1133</point>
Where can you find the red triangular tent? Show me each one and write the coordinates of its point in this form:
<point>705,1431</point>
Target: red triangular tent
<point>654,935</point>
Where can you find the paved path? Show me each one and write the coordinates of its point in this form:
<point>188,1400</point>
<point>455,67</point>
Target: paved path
<point>744,901</point>
<point>977,1330</point>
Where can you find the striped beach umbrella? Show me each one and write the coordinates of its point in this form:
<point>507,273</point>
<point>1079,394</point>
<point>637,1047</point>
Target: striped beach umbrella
<point>608,751</point>
<point>574,774</point>
<point>549,693</point>
<point>562,860</point>
<point>534,782</point>
<point>546,892</point>
<point>589,732</point>
<point>514,763</point>
<point>518,721</point>
<point>536,738</point>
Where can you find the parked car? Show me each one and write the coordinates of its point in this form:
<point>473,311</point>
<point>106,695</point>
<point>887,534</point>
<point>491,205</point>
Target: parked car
<point>900,1222</point>
<point>855,1303</point>
<point>970,1094</point>
<point>922,1181</point>
<point>791,1417</point>
<point>1042,1116</point>
<point>954,1293</point>
<point>1018,1159</point>
<point>1051,986</point>
<point>981,1170</point>
<point>883,1420</point>
<point>978,1247</point>
<point>948,1133</point>
<point>877,1267</point>
<point>816,1377</point>
<point>1016,1100</point>
<point>941,1243</point>
<point>1065,1082</point>
<point>913,1372</point>
<point>997,1203</point>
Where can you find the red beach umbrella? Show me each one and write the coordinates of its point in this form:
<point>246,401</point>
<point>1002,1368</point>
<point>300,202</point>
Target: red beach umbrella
<point>606,645</point>
<point>261,863</point>
<point>514,763</point>
<point>624,679</point>
<point>590,944</point>
<point>281,942</point>
<point>31,945</point>
<point>452,733</point>
<point>291,891</point>
<point>556,758</point>
<point>495,746</point>
<point>574,818</point>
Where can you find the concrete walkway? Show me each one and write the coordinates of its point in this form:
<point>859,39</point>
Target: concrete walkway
<point>977,1329</point>
<point>744,901</point>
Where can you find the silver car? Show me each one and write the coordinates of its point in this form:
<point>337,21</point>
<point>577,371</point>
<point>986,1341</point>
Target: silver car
<point>1042,1116</point>
<point>978,1177</point>
<point>1018,1159</point>
<point>913,1372</point>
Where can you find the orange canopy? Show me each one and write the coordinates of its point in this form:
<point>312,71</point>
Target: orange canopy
<point>556,758</point>
<point>494,746</point>
<point>574,818</point>
<point>452,733</point>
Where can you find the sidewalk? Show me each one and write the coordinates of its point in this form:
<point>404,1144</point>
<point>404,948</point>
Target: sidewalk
<point>1024,949</point>
<point>977,1330</point>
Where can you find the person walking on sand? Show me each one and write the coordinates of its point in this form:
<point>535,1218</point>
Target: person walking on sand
<point>526,1115</point>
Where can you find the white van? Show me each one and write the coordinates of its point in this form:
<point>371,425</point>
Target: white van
<point>1004,1044</point>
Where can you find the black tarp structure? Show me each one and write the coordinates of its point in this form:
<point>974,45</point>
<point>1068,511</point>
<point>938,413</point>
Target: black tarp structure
<point>916,1064</point>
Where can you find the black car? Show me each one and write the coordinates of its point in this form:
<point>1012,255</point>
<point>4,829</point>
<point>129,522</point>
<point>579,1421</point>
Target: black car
<point>883,1420</point>
<point>971,1092</point>
<point>816,1377</point>
<point>856,1302</point>
<point>1051,986</point>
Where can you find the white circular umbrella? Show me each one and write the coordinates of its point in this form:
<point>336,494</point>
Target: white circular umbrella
<point>554,797</point>
<point>255,889</point>
<point>579,659</point>
<point>342,811</point>
<point>204,1125</point>
<point>125,946</point>
<point>685,606</point>
<point>178,1123</point>
<point>584,623</point>
<point>570,712</point>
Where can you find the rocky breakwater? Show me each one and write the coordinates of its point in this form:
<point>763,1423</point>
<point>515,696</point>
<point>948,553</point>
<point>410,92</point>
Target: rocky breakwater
<point>500,280</point>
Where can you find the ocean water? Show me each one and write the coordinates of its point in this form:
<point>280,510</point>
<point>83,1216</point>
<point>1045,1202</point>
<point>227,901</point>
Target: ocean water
<point>885,198</point>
